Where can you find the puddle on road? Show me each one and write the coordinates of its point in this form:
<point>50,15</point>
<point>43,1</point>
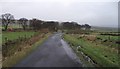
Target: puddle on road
<point>70,52</point>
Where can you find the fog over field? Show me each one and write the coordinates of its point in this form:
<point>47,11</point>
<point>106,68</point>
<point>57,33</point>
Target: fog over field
<point>94,12</point>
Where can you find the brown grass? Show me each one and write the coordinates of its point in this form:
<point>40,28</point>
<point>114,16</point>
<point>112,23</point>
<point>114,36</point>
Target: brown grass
<point>25,49</point>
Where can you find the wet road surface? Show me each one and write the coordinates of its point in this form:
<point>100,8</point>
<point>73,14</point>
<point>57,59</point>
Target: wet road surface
<point>54,52</point>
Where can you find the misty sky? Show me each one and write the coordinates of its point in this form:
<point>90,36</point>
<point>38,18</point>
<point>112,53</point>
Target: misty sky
<point>93,12</point>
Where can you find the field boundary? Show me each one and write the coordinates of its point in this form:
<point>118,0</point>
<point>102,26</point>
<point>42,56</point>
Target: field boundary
<point>11,61</point>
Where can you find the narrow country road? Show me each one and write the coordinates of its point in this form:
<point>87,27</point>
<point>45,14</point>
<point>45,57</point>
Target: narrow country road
<point>54,52</point>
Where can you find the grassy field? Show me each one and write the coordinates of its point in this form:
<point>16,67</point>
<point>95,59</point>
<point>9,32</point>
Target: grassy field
<point>113,38</point>
<point>104,56</point>
<point>16,38</point>
<point>16,35</point>
<point>105,29</point>
<point>108,40</point>
<point>14,26</point>
<point>12,60</point>
<point>0,38</point>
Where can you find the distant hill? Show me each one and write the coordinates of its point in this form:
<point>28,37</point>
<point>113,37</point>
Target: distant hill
<point>104,29</point>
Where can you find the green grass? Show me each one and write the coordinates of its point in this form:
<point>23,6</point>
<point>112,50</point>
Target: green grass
<point>96,52</point>
<point>14,26</point>
<point>16,35</point>
<point>113,38</point>
<point>0,38</point>
<point>11,61</point>
<point>105,29</point>
<point>109,39</point>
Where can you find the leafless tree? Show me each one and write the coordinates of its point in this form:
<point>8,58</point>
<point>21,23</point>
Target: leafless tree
<point>36,24</point>
<point>23,22</point>
<point>6,20</point>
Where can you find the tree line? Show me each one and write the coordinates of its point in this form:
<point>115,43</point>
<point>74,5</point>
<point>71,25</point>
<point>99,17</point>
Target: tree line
<point>37,24</point>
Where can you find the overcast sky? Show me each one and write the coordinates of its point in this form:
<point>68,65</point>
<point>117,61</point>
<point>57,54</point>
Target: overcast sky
<point>93,12</point>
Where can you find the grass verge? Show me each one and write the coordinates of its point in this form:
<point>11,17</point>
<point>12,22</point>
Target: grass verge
<point>11,61</point>
<point>102,55</point>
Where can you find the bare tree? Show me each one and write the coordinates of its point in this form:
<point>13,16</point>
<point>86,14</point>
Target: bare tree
<point>6,20</point>
<point>36,24</point>
<point>23,22</point>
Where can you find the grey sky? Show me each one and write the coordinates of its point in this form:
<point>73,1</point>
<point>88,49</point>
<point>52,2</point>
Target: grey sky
<point>94,12</point>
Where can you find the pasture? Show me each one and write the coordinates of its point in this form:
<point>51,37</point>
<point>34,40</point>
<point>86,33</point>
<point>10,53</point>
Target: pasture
<point>16,35</point>
<point>12,40</point>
